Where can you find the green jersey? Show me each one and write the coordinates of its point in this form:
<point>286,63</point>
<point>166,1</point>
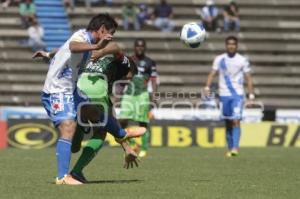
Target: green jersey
<point>146,70</point>
<point>110,68</point>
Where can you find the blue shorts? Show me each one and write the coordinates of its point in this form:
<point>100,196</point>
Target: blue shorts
<point>231,107</point>
<point>59,107</point>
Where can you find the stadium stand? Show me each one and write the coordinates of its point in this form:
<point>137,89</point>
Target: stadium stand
<point>269,37</point>
<point>53,18</point>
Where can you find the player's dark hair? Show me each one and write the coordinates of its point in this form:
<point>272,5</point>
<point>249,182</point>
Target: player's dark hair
<point>139,42</point>
<point>102,19</point>
<point>234,38</point>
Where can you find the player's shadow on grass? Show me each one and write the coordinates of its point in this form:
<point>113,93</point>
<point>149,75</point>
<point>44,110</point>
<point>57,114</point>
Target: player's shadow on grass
<point>114,181</point>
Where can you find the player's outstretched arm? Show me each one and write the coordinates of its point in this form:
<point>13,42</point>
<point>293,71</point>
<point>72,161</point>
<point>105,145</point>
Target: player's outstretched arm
<point>209,81</point>
<point>79,47</point>
<point>44,54</point>
<point>110,48</point>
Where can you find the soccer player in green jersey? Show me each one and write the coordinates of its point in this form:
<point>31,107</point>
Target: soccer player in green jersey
<point>136,104</point>
<point>95,83</point>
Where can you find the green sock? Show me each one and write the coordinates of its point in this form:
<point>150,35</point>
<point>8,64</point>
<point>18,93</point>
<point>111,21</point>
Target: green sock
<point>88,154</point>
<point>145,141</point>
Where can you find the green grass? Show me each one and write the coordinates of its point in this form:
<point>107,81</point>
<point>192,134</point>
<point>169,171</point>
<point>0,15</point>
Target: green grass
<point>266,173</point>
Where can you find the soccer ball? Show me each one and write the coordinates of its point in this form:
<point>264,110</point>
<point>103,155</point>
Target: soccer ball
<point>193,34</point>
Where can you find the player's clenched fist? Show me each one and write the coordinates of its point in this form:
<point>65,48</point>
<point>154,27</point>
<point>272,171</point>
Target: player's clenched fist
<point>104,40</point>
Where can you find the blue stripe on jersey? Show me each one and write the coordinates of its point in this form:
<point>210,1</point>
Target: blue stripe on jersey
<point>90,37</point>
<point>227,78</point>
<point>83,61</point>
<point>85,54</point>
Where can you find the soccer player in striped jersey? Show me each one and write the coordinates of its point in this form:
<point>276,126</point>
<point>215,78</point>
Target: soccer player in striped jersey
<point>232,68</point>
<point>60,85</point>
<point>94,85</point>
<point>58,91</point>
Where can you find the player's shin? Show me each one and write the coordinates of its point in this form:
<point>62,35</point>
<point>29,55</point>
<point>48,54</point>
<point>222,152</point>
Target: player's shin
<point>63,147</point>
<point>229,135</point>
<point>89,152</point>
<point>63,156</point>
<point>229,138</point>
<point>145,141</point>
<point>236,131</point>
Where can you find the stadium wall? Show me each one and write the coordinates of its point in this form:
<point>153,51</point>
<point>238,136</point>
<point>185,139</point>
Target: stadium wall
<point>29,128</point>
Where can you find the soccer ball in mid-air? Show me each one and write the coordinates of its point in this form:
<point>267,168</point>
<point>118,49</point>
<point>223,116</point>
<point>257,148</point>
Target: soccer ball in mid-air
<point>193,34</point>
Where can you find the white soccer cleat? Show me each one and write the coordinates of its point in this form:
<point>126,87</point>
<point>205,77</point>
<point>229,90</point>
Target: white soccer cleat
<point>69,180</point>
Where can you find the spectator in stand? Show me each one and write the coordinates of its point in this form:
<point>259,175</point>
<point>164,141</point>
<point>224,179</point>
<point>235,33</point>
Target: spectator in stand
<point>143,15</point>
<point>109,2</point>
<point>231,17</point>
<point>209,14</point>
<point>27,12</point>
<point>163,15</point>
<point>89,3</point>
<point>5,4</point>
<point>129,13</point>
<point>36,34</point>
<point>69,4</point>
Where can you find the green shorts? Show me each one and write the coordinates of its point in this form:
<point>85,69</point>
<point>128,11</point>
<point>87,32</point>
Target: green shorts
<point>94,88</point>
<point>135,107</point>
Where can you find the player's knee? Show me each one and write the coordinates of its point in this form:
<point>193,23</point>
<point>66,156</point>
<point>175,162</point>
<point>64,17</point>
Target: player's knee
<point>67,129</point>
<point>235,123</point>
<point>123,123</point>
<point>99,133</point>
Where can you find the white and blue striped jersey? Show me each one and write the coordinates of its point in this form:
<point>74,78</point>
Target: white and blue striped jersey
<point>231,73</point>
<point>64,68</point>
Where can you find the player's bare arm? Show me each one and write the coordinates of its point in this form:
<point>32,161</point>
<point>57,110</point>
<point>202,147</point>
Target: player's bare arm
<point>110,48</point>
<point>79,47</point>
<point>155,88</point>
<point>44,54</point>
<point>250,86</point>
<point>209,81</point>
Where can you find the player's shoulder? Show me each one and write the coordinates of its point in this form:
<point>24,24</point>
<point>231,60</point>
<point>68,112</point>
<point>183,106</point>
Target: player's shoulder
<point>220,56</point>
<point>241,57</point>
<point>80,34</point>
<point>148,59</point>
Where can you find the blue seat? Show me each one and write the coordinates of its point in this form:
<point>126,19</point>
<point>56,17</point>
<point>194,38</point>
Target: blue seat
<point>55,39</point>
<point>48,3</point>
<point>57,26</point>
<point>53,18</point>
<point>50,9</point>
<point>54,14</point>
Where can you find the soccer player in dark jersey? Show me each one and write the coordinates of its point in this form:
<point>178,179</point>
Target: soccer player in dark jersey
<point>136,102</point>
<point>95,83</point>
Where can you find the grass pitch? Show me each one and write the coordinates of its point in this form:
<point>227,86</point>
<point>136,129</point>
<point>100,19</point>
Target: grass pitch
<point>264,173</point>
